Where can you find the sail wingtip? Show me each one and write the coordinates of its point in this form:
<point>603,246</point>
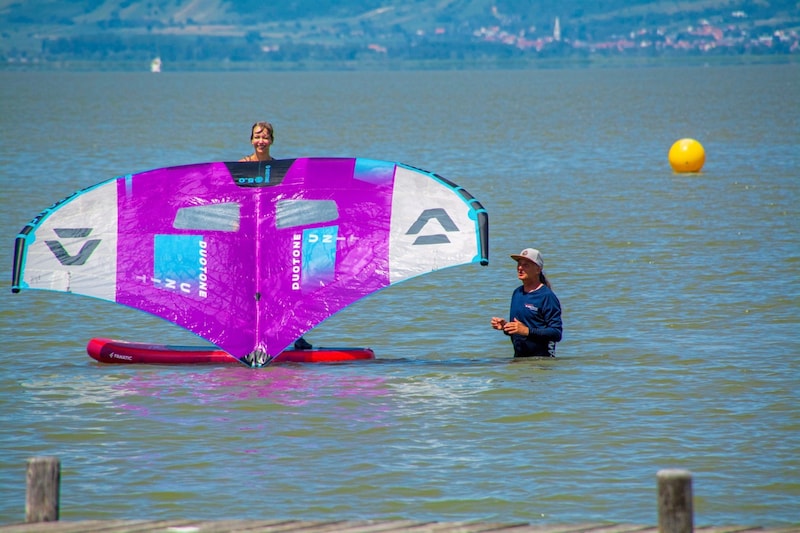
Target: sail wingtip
<point>257,358</point>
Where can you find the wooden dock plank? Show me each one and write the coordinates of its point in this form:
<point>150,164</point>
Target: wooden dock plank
<point>615,528</point>
<point>593,527</point>
<point>452,527</point>
<point>349,526</point>
<point>66,526</point>
<point>374,526</point>
<point>728,529</point>
<point>242,526</point>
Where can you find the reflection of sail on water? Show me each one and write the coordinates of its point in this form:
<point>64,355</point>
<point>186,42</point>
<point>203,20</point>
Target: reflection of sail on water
<point>155,65</point>
<point>251,256</point>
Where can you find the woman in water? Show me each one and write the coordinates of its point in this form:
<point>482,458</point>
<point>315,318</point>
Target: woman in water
<point>262,134</point>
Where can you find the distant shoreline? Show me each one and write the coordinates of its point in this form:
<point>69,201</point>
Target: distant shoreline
<point>482,64</point>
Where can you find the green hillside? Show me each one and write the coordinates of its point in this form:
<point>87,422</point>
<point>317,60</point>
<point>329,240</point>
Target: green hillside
<point>345,32</point>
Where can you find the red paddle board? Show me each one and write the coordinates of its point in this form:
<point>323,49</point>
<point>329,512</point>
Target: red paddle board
<point>117,351</point>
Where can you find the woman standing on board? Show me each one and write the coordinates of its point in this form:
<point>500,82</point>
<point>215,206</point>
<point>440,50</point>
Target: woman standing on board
<point>535,318</point>
<point>262,134</point>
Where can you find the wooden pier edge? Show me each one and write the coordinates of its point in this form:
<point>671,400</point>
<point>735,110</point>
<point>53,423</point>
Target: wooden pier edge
<point>675,515</point>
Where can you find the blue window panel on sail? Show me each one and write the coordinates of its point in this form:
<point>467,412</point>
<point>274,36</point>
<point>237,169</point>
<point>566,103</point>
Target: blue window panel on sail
<point>179,264</point>
<point>319,256</point>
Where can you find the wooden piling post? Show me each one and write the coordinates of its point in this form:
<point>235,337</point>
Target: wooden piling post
<point>675,508</point>
<point>44,478</point>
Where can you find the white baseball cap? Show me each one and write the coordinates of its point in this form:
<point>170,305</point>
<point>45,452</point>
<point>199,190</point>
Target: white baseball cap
<point>530,253</point>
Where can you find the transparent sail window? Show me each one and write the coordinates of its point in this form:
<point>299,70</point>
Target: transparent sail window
<point>291,213</point>
<point>214,217</point>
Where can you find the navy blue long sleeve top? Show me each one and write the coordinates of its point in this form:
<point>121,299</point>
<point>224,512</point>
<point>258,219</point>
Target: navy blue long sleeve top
<point>540,310</point>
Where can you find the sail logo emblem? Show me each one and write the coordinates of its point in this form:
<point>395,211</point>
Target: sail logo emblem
<point>83,254</point>
<point>425,217</point>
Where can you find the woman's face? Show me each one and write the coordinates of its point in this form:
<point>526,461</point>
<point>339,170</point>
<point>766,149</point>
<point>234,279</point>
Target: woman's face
<point>262,138</point>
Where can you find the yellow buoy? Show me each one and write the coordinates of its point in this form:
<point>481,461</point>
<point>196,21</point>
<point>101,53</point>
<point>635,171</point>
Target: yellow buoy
<point>687,155</point>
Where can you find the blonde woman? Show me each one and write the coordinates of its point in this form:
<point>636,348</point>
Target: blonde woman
<point>262,135</point>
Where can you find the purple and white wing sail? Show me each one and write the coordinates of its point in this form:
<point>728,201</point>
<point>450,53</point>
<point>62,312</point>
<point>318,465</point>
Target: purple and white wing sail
<point>250,256</point>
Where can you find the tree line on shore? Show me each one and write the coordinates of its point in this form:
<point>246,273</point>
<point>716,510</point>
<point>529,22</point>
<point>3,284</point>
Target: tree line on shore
<point>249,49</point>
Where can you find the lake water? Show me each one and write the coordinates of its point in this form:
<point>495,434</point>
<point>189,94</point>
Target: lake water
<point>681,299</point>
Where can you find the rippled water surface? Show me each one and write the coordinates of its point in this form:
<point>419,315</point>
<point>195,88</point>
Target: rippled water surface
<point>680,296</point>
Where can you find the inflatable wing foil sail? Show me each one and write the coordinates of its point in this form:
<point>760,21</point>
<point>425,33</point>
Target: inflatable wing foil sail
<point>250,256</point>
